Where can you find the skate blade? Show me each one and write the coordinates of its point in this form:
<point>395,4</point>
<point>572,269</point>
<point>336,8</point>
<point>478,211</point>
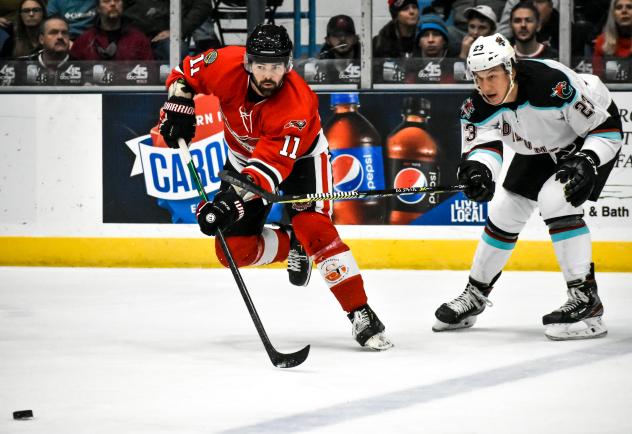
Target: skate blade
<point>378,342</point>
<point>440,326</point>
<point>590,328</point>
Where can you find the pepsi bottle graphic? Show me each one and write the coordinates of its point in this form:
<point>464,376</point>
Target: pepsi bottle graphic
<point>412,162</point>
<point>357,161</point>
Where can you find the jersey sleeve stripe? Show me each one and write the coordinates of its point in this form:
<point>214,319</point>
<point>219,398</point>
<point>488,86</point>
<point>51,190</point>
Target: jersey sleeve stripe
<point>608,135</point>
<point>265,167</point>
<point>486,151</point>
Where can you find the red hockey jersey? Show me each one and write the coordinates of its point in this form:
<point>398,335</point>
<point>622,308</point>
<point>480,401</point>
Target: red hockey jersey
<point>264,138</point>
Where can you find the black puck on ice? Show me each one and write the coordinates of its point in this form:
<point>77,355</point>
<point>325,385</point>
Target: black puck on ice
<point>23,414</point>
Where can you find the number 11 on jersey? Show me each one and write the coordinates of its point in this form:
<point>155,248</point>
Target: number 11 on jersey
<point>286,146</point>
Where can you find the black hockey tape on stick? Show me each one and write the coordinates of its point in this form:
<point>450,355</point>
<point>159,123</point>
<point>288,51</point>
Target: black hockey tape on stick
<point>280,360</point>
<point>23,414</point>
<point>243,182</point>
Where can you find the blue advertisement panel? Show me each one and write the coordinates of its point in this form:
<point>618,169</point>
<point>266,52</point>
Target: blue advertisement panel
<point>377,139</point>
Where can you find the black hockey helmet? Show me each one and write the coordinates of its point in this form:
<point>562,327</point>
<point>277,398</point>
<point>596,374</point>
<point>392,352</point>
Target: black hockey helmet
<point>268,43</point>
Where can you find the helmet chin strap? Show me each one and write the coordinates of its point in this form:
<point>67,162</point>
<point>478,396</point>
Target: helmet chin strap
<point>511,86</point>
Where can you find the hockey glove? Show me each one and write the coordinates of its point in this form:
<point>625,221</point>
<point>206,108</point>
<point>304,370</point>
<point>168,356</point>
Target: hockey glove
<point>178,119</point>
<point>478,180</point>
<point>579,173</point>
<point>226,209</point>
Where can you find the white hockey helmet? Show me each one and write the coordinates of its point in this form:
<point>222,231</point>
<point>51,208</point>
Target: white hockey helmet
<point>489,51</point>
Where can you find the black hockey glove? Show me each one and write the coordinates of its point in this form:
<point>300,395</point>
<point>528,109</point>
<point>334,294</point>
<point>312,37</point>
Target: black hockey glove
<point>226,209</point>
<point>579,173</point>
<point>178,120</point>
<point>478,180</point>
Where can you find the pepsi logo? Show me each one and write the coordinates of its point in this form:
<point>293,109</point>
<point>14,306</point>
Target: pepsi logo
<point>410,177</point>
<point>348,173</point>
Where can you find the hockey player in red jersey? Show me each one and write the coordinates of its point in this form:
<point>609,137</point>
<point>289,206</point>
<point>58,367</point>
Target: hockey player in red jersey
<point>273,131</point>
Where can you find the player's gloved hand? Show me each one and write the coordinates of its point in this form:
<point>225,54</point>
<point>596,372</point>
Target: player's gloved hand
<point>579,173</point>
<point>478,180</point>
<point>227,208</point>
<point>178,118</point>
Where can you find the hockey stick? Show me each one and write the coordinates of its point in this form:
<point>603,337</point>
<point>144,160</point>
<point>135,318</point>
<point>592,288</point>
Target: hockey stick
<point>280,360</point>
<point>244,183</point>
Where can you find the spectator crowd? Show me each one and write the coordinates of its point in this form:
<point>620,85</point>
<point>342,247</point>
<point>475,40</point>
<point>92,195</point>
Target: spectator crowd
<point>54,31</point>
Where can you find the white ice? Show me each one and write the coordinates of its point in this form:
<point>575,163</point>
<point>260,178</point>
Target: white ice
<point>140,351</point>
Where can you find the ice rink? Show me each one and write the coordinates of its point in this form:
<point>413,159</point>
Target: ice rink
<point>152,351</point>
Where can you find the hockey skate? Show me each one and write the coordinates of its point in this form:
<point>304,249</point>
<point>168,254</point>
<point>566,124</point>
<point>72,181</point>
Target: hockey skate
<point>368,330</point>
<point>299,264</point>
<point>580,316</point>
<point>462,311</point>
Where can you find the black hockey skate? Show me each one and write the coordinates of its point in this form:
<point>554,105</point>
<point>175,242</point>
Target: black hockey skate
<point>299,264</point>
<point>462,311</point>
<point>580,316</point>
<point>368,330</point>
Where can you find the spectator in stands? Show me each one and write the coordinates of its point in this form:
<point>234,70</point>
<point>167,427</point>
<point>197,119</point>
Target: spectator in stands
<point>152,18</point>
<point>525,22</point>
<point>111,39</point>
<point>549,31</point>
<point>24,40</point>
<point>582,31</point>
<point>8,12</point>
<point>454,10</point>
<point>55,40</point>
<point>79,14</point>
<point>481,21</point>
<point>341,41</point>
<point>397,38</point>
<point>504,26</point>
<point>616,39</point>
<point>432,37</point>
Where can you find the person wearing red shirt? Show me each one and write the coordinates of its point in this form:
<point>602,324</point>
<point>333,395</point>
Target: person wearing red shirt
<point>274,137</point>
<point>616,39</point>
<point>111,39</point>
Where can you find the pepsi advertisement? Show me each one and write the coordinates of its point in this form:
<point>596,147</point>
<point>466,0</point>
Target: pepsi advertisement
<point>397,140</point>
<point>377,141</point>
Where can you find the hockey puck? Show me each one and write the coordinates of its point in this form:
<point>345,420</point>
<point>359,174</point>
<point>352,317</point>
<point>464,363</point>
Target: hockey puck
<point>23,414</point>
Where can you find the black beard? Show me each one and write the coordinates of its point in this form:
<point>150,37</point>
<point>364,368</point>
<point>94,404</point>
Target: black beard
<point>266,92</point>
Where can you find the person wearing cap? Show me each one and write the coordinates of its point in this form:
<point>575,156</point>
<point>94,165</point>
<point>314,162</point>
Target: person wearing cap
<point>455,9</point>
<point>341,41</point>
<point>481,21</point>
<point>432,36</point>
<point>397,38</point>
<point>525,22</point>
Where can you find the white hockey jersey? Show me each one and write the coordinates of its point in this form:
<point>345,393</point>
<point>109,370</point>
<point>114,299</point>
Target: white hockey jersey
<point>554,107</point>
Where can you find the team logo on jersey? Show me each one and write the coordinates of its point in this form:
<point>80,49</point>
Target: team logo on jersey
<point>299,125</point>
<point>210,57</point>
<point>562,90</point>
<point>467,108</point>
<point>407,178</point>
<point>246,118</point>
<point>348,173</point>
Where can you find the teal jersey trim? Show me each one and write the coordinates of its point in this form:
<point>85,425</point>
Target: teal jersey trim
<point>611,136</point>
<point>496,155</point>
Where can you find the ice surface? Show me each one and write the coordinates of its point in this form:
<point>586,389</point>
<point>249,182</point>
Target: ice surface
<point>157,351</point>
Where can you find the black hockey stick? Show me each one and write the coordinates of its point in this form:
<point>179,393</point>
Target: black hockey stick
<point>244,183</point>
<point>280,360</point>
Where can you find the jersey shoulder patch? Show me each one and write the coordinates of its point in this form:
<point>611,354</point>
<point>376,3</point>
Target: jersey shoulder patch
<point>546,86</point>
<point>475,110</point>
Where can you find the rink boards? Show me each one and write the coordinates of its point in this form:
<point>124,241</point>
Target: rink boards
<point>65,200</point>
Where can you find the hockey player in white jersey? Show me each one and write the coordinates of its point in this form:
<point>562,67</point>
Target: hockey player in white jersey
<point>566,133</point>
